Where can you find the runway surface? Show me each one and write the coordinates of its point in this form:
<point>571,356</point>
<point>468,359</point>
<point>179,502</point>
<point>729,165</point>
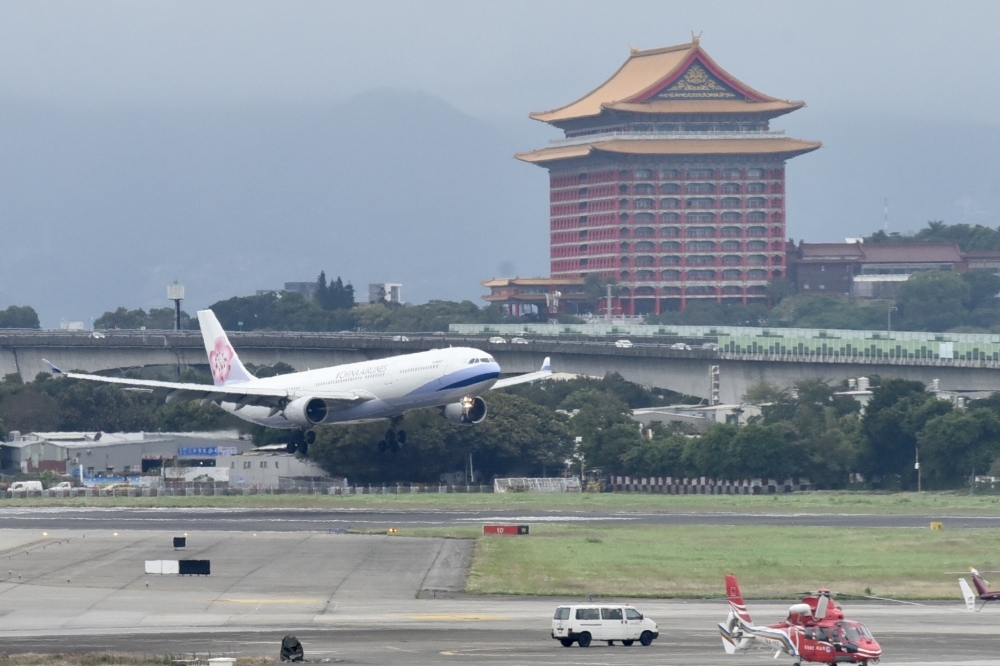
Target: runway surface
<point>295,520</point>
<point>369,600</point>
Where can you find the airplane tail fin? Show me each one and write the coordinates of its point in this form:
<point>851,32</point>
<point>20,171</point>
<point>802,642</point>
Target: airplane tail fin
<point>732,630</point>
<point>222,359</point>
<point>982,585</point>
<point>970,598</point>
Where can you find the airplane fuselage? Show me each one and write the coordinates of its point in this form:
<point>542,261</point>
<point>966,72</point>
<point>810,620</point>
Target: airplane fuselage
<point>388,386</point>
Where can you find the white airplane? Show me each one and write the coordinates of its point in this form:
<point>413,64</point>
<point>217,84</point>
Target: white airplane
<point>451,379</point>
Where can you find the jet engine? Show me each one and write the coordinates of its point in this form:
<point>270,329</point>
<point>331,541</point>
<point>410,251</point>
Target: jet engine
<point>306,412</point>
<point>467,412</point>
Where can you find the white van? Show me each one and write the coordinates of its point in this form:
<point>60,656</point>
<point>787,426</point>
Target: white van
<point>25,485</point>
<point>606,622</point>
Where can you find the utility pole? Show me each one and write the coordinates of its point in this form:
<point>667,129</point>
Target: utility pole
<point>916,466</point>
<point>608,313</point>
<point>889,318</point>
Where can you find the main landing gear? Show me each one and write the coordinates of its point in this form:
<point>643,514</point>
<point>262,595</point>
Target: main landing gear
<point>300,441</point>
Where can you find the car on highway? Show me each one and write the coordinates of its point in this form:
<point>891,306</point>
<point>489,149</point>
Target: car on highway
<point>604,622</point>
<point>497,340</point>
<point>680,346</point>
<point>711,346</point>
<point>518,341</point>
<point>400,338</point>
<point>29,486</point>
<point>624,344</point>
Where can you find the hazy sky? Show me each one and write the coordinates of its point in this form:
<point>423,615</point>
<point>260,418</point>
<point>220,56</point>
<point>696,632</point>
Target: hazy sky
<point>123,120</point>
<point>499,59</point>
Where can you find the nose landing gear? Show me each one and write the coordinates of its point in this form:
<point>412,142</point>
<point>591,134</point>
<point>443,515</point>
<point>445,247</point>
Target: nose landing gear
<point>300,441</point>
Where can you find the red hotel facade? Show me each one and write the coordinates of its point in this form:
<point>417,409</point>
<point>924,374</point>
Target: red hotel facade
<point>670,180</point>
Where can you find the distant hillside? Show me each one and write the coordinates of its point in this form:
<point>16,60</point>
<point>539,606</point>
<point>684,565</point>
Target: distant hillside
<point>104,207</point>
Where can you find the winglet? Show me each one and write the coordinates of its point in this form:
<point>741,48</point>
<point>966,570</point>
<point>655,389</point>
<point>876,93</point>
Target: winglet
<point>547,365</point>
<point>53,369</point>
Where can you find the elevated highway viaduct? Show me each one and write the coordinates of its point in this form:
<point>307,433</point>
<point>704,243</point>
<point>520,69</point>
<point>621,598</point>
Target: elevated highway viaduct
<point>652,363</point>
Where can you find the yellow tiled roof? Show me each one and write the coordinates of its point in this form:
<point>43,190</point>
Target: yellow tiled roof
<point>778,146</point>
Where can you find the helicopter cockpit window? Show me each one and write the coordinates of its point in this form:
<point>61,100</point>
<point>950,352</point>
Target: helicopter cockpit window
<point>849,632</point>
<point>823,634</point>
<point>864,632</point>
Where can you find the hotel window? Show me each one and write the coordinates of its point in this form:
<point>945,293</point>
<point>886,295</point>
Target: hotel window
<point>731,217</point>
<point>582,205</point>
<point>732,274</point>
<point>756,173</point>
<point>731,202</point>
<point>670,246</point>
<point>759,274</point>
<point>582,192</point>
<point>732,260</point>
<point>582,177</point>
<point>757,259</point>
<point>756,231</point>
<point>623,217</point>
<point>776,259</point>
<point>670,232</point>
<point>702,218</point>
<point>667,174</point>
<point>624,275</point>
<point>644,217</point>
<point>670,188</point>
<point>643,173</point>
<point>670,203</point>
<point>700,246</point>
<point>623,174</point>
<point>756,202</point>
<point>644,232</point>
<point>669,217</point>
<point>583,233</point>
<point>731,188</point>
<point>700,173</point>
<point>701,202</point>
<point>643,188</point>
<point>623,261</point>
<point>756,188</point>
<point>623,189</point>
<point>644,260</point>
<point>757,216</point>
<point>643,203</point>
<point>623,203</point>
<point>700,188</point>
<point>645,246</point>
<point>731,246</point>
<point>670,260</point>
<point>583,248</point>
<point>701,275</point>
<point>701,260</point>
<point>623,247</point>
<point>701,232</point>
<point>583,262</point>
<point>670,275</point>
<point>776,274</point>
<point>583,220</point>
<point>623,232</point>
<point>644,275</point>
<point>731,173</point>
<point>756,246</point>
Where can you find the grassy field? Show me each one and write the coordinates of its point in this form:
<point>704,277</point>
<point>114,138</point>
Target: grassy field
<point>810,502</point>
<point>685,561</point>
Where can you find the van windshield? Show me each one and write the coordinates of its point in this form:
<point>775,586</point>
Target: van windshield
<point>562,613</point>
<point>632,614</point>
<point>588,614</point>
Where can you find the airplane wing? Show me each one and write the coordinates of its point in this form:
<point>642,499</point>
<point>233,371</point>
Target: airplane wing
<point>970,598</point>
<point>545,372</point>
<point>244,395</point>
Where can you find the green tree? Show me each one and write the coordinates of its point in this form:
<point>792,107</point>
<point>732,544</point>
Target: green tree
<point>933,301</point>
<point>957,444</point>
<point>15,316</point>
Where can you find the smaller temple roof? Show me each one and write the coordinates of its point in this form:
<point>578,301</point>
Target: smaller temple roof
<point>784,146</point>
<point>534,282</point>
<point>675,79</point>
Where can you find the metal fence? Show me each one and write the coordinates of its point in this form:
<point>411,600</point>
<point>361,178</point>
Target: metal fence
<point>199,489</point>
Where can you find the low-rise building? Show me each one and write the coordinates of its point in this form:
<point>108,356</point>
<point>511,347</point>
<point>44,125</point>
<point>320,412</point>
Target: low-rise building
<point>518,296</point>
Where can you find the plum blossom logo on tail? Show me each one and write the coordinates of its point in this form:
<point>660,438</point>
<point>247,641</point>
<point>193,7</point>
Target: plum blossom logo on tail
<point>219,359</point>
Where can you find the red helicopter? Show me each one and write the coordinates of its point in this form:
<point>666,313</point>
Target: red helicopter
<point>814,631</point>
<point>982,587</point>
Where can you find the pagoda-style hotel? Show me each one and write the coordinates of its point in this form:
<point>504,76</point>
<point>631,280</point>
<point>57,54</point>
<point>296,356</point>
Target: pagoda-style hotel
<point>670,180</point>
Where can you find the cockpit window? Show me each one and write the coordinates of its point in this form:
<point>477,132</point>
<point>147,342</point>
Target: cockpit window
<point>484,360</point>
<point>475,360</point>
<point>851,632</point>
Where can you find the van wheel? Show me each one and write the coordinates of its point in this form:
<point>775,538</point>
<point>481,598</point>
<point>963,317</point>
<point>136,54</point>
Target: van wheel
<point>584,639</point>
<point>610,643</point>
<point>627,643</point>
<point>646,638</point>
<point>566,642</point>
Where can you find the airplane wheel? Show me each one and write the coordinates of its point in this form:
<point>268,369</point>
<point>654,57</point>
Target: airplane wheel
<point>566,642</point>
<point>627,643</point>
<point>291,447</point>
<point>401,437</point>
<point>611,643</point>
<point>646,638</point>
<point>584,639</point>
<point>304,449</point>
<point>394,445</point>
<point>310,436</point>
<point>390,436</point>
<point>382,446</point>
